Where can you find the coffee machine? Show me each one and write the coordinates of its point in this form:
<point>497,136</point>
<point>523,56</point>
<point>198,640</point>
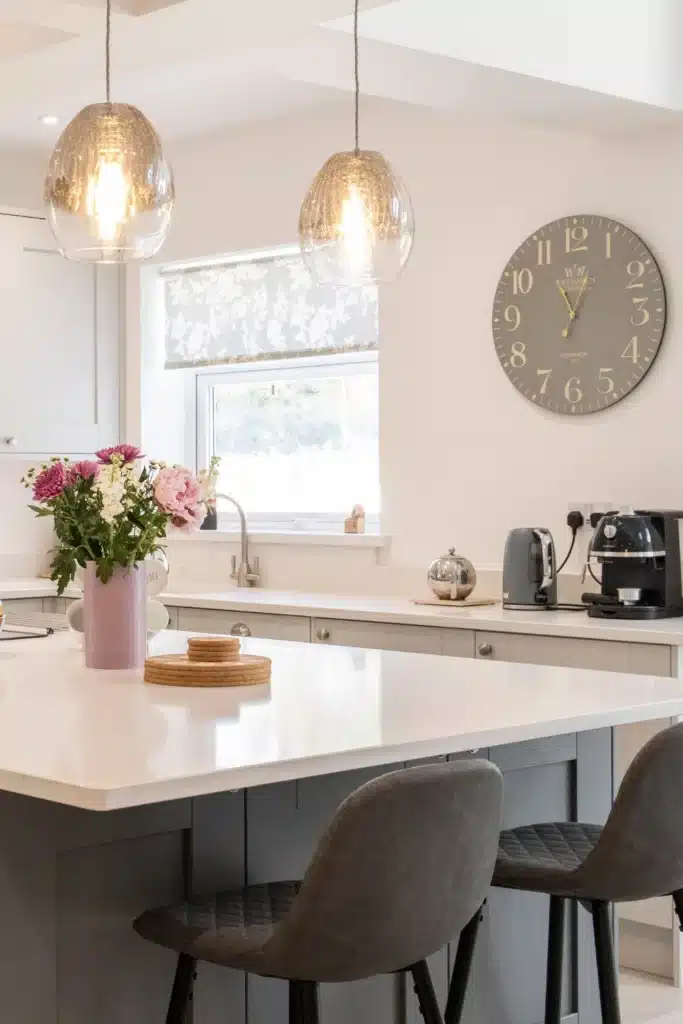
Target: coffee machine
<point>640,555</point>
<point>529,569</point>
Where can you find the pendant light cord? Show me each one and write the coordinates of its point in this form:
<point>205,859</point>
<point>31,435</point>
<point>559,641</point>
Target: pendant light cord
<point>108,53</point>
<point>356,75</point>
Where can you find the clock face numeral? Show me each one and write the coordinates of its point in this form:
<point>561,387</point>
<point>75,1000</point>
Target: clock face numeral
<point>578,335</point>
<point>544,251</point>
<point>604,378</point>
<point>546,374</point>
<point>575,238</point>
<point>635,269</point>
<point>572,391</point>
<point>631,350</point>
<point>522,281</point>
<point>640,315</point>
<point>513,317</point>
<point>518,355</point>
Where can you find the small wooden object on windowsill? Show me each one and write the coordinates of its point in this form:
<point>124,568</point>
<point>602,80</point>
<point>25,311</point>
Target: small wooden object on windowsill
<point>210,661</point>
<point>356,521</point>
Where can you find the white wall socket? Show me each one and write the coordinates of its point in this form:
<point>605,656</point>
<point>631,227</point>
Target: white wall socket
<point>587,508</point>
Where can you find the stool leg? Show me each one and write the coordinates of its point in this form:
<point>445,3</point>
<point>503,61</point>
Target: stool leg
<point>426,996</point>
<point>457,989</point>
<point>303,1002</point>
<point>607,974</point>
<point>553,983</point>
<point>182,990</point>
<point>678,906</point>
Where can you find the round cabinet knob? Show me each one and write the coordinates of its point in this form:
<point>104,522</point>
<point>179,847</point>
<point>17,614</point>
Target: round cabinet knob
<point>10,442</point>
<point>485,650</point>
<point>322,633</point>
<point>240,629</point>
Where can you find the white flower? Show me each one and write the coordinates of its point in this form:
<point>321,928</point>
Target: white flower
<point>111,482</point>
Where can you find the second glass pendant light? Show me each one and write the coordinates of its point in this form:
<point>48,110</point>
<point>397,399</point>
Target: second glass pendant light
<point>109,189</point>
<point>356,223</point>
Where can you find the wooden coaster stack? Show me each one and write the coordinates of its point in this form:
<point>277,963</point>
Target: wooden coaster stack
<point>210,661</point>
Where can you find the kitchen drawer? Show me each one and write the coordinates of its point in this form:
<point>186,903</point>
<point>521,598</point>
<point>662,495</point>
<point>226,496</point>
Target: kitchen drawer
<point>271,627</point>
<point>607,655</point>
<point>15,607</point>
<point>389,636</point>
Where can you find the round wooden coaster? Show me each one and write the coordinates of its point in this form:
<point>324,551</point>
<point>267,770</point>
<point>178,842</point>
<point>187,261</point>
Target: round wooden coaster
<point>179,670</point>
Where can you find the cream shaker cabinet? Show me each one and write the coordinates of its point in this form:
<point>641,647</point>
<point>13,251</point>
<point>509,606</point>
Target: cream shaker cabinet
<point>59,378</point>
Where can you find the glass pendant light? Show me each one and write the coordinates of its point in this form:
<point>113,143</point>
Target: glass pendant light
<point>109,189</point>
<point>356,223</point>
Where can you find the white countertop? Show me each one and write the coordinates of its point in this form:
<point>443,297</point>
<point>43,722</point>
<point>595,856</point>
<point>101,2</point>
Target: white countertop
<point>395,609</point>
<point>106,740</point>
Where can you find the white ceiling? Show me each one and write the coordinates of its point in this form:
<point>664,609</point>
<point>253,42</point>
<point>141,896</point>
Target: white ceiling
<point>196,65</point>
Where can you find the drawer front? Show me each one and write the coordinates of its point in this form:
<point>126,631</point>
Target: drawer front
<point>606,655</point>
<point>14,608</point>
<point>270,627</point>
<point>389,636</point>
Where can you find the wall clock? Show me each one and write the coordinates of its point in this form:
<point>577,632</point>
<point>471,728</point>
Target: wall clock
<point>579,314</point>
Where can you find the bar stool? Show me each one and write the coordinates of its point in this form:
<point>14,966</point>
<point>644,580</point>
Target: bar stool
<point>402,868</point>
<point>636,855</point>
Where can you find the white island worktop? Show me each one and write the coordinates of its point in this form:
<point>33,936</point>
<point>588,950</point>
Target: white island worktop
<point>106,740</point>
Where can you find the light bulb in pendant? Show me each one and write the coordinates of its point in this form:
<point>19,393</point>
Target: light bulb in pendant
<point>109,190</point>
<point>356,223</point>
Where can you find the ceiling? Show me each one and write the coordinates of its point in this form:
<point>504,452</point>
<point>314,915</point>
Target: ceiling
<point>197,65</point>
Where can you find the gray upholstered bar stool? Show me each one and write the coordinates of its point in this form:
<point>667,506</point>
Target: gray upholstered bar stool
<point>636,855</point>
<point>404,865</point>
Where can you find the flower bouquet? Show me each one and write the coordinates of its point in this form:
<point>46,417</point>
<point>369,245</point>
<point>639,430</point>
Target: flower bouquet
<point>109,516</point>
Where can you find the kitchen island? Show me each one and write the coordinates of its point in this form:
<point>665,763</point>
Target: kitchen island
<point>205,789</point>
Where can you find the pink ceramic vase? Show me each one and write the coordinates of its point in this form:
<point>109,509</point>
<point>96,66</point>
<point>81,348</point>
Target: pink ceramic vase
<point>115,618</point>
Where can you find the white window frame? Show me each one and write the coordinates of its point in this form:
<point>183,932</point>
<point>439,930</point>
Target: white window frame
<point>346,364</point>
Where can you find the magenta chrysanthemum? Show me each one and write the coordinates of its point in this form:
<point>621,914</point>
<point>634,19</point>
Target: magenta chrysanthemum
<point>84,470</point>
<point>128,452</point>
<point>50,483</point>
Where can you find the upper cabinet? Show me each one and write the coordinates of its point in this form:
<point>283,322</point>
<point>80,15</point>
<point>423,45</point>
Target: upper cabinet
<point>59,345</point>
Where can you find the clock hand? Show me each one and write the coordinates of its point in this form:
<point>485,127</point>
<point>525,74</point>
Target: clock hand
<point>575,308</point>
<point>572,314</point>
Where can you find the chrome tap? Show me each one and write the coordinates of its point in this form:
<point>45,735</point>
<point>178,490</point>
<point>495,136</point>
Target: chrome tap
<point>246,576</point>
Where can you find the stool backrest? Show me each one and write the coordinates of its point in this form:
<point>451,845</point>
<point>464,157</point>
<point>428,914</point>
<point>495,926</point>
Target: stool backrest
<point>403,866</point>
<point>640,851</point>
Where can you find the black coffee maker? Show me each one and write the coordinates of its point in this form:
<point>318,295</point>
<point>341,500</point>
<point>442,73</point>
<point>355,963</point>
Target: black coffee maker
<point>639,553</point>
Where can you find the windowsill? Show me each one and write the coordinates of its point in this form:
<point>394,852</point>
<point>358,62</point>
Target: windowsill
<point>374,541</point>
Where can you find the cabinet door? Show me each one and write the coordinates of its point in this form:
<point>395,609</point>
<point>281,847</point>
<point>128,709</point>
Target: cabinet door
<point>271,627</point>
<point>59,381</point>
<point>606,655</point>
<point>388,636</point>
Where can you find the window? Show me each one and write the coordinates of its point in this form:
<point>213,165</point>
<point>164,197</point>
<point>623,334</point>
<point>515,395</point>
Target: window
<point>286,387</point>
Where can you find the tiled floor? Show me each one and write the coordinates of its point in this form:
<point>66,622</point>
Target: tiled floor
<point>646,999</point>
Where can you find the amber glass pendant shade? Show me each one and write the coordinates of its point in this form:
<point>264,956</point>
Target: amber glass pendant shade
<point>356,223</point>
<point>109,190</point>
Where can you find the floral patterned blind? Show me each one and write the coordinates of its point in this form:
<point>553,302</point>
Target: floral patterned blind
<point>259,309</point>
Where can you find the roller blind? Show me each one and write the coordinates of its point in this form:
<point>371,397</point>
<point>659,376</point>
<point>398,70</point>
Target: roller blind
<point>251,310</point>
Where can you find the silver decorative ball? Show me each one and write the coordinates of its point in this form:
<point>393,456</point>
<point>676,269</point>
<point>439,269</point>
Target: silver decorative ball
<point>452,577</point>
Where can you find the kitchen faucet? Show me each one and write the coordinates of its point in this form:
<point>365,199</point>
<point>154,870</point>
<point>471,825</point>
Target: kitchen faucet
<point>245,575</point>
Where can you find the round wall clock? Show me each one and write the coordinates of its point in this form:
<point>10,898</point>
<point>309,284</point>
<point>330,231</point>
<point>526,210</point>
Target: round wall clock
<point>579,314</point>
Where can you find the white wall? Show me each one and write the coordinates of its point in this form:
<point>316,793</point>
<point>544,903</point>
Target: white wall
<point>23,541</point>
<point>464,457</point>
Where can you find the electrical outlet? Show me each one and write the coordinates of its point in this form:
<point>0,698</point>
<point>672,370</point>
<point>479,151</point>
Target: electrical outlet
<point>585,508</point>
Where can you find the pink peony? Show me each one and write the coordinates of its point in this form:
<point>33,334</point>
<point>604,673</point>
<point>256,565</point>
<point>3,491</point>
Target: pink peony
<point>85,470</point>
<point>128,452</point>
<point>51,482</point>
<point>180,494</point>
